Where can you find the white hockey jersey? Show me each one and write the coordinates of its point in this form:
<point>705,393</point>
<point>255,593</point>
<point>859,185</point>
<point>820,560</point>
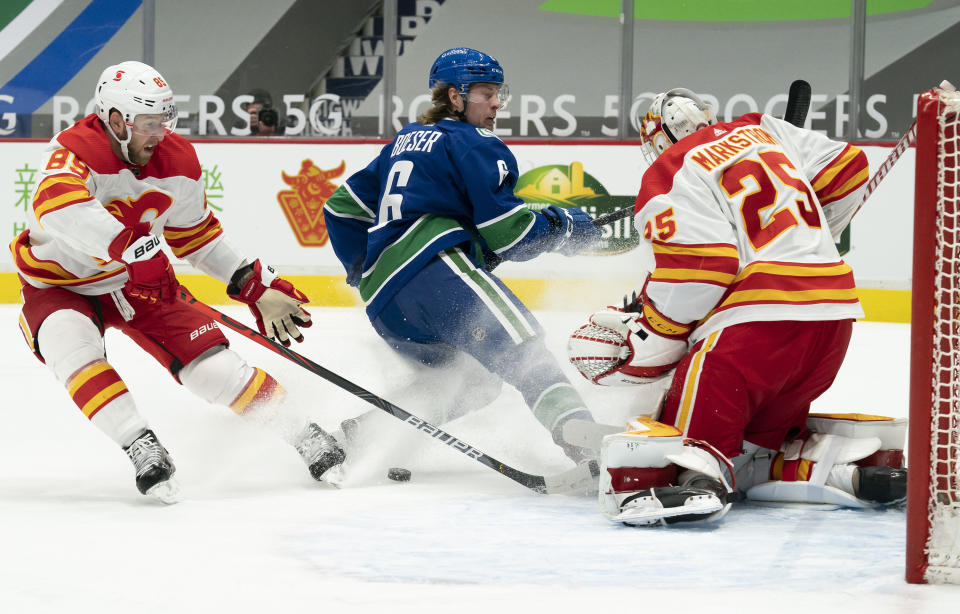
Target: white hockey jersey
<point>742,217</point>
<point>86,195</point>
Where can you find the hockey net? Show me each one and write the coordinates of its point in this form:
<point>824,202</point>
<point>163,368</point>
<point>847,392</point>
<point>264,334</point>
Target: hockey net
<point>933,493</point>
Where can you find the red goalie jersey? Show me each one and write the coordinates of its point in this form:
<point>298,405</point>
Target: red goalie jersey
<point>86,195</point>
<point>743,217</point>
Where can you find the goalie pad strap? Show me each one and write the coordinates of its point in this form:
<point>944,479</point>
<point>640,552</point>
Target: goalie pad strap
<point>790,471</point>
<point>828,457</point>
<point>636,478</point>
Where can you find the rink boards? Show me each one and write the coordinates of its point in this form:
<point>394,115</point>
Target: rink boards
<point>269,196</point>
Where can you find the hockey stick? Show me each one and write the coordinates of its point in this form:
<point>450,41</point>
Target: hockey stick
<point>798,104</point>
<point>613,216</point>
<point>902,145</point>
<point>579,479</point>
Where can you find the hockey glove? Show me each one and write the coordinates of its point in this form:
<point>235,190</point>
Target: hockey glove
<point>151,277</point>
<point>274,302</point>
<point>572,229</point>
<point>617,348</point>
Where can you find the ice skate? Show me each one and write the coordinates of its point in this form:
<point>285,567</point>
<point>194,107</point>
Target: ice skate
<point>580,438</point>
<point>320,451</point>
<point>154,468</point>
<point>884,485</point>
<point>578,454</point>
<point>669,505</point>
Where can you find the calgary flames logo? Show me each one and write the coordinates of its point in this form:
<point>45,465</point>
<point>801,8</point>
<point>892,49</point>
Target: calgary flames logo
<point>303,205</point>
<point>145,208</point>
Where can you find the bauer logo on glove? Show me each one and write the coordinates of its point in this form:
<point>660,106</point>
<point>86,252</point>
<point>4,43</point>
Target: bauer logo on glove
<point>150,276</point>
<point>617,348</point>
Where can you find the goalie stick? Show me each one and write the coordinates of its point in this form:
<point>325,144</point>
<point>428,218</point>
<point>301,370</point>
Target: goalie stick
<point>798,104</point>
<point>902,145</point>
<point>582,478</point>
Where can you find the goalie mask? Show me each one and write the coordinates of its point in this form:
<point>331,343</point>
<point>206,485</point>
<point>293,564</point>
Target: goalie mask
<point>135,89</point>
<point>673,115</point>
<point>462,66</point>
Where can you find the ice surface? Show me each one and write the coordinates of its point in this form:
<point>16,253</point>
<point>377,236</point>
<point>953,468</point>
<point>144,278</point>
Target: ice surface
<point>256,534</point>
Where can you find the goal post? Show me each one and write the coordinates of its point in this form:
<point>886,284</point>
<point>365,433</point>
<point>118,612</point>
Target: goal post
<point>933,489</point>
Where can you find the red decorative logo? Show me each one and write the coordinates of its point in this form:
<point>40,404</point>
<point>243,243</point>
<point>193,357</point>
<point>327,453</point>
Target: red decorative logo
<point>303,205</point>
<point>145,208</point>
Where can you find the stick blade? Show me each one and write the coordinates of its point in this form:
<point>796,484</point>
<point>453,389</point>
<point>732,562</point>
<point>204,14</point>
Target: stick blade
<point>584,479</point>
<point>798,103</point>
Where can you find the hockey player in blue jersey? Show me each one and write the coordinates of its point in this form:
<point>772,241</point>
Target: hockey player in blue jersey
<point>420,228</point>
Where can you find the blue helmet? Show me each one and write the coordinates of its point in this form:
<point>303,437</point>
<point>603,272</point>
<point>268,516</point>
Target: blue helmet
<point>462,66</point>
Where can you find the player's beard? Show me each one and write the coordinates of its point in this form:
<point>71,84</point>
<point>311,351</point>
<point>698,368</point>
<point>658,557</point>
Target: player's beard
<point>142,154</point>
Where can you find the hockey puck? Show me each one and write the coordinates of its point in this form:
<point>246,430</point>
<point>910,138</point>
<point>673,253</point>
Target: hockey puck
<point>398,474</point>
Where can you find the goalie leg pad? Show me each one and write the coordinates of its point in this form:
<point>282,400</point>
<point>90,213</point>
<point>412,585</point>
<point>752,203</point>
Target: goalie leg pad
<point>651,475</point>
<point>891,432</point>
<point>818,467</point>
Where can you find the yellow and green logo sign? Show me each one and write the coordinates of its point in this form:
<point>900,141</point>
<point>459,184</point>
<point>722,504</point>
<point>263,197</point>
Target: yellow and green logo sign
<point>568,185</point>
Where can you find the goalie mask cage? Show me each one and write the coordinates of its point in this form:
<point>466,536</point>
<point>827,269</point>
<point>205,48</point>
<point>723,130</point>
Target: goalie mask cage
<point>933,490</point>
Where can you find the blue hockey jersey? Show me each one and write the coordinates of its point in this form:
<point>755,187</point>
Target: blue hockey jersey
<point>435,186</point>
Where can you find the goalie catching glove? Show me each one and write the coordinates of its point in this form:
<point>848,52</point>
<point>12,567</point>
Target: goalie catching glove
<point>151,277</point>
<point>274,302</point>
<point>619,347</point>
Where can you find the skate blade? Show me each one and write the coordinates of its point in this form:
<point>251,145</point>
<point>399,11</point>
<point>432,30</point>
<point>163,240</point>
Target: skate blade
<point>647,510</point>
<point>334,476</point>
<point>167,492</point>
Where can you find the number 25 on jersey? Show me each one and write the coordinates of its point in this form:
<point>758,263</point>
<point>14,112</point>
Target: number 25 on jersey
<point>770,174</point>
<point>772,182</point>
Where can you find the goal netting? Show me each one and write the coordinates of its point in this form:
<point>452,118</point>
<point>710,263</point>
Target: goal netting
<point>933,493</point>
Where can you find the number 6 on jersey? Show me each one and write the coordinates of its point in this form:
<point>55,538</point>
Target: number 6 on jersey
<point>390,202</point>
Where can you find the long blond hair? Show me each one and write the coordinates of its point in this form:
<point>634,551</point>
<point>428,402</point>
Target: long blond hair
<point>442,107</point>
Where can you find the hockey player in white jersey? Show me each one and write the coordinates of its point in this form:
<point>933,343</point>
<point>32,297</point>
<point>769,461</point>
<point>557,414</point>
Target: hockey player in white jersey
<point>750,305</point>
<point>109,187</point>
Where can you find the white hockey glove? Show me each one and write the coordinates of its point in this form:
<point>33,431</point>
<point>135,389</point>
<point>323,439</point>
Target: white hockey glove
<point>273,301</point>
<point>621,348</point>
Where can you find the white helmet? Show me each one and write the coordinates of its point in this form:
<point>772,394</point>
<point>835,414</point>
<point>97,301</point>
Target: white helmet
<point>133,88</point>
<point>673,115</point>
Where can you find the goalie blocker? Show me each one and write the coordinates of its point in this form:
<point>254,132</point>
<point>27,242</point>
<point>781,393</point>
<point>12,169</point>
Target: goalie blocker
<point>651,474</point>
